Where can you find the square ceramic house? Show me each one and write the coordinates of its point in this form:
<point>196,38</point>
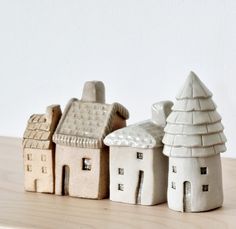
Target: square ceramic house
<point>138,169</point>
<point>193,141</point>
<point>39,151</point>
<point>82,160</point>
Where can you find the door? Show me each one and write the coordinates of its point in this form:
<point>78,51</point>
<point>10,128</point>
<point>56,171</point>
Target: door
<point>65,180</point>
<point>35,185</point>
<point>187,197</point>
<point>139,187</point>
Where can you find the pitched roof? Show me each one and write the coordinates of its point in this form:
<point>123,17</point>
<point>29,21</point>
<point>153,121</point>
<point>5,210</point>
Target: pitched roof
<point>193,88</point>
<point>141,135</point>
<point>194,126</point>
<point>85,124</point>
<point>40,127</point>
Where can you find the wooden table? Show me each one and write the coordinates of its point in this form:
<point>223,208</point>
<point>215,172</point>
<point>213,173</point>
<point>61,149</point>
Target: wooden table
<point>19,209</point>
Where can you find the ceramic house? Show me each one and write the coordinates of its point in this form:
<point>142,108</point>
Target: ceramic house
<point>82,160</point>
<point>193,141</point>
<point>138,169</point>
<point>39,150</point>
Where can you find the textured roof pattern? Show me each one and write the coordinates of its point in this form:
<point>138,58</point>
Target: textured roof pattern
<point>40,127</point>
<point>194,105</point>
<point>85,124</point>
<point>193,88</point>
<point>141,135</point>
<point>194,126</point>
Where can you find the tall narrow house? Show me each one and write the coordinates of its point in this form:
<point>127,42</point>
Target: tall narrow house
<point>82,160</point>
<point>193,141</point>
<point>138,169</point>
<point>39,151</point>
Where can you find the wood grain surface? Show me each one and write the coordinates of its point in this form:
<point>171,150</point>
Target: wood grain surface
<point>19,209</point>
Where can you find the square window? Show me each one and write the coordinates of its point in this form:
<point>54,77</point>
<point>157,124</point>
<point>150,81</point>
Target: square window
<point>139,155</point>
<point>120,187</point>
<point>173,185</point>
<point>44,169</point>
<point>86,164</point>
<point>203,170</point>
<point>29,156</point>
<point>29,168</point>
<point>174,169</point>
<point>205,188</point>
<point>120,171</point>
<point>43,157</point>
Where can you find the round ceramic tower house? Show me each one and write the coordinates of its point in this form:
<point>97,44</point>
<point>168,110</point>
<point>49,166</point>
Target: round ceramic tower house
<point>193,141</point>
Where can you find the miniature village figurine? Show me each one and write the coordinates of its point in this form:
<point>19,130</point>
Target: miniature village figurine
<point>193,141</point>
<point>39,151</point>
<point>82,160</point>
<point>138,169</point>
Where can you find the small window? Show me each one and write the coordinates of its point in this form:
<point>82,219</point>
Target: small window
<point>86,164</point>
<point>43,157</point>
<point>174,169</point>
<point>44,169</point>
<point>120,171</point>
<point>173,185</point>
<point>120,187</point>
<point>139,155</point>
<point>205,188</point>
<point>203,170</point>
<point>29,156</point>
<point>29,168</point>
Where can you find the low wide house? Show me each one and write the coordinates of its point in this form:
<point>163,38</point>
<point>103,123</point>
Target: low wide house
<point>138,169</point>
<point>82,160</point>
<point>39,151</point>
<point>193,141</point>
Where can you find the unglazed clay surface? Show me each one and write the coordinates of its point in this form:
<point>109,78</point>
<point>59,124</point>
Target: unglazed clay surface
<point>193,140</point>
<point>39,151</point>
<point>82,160</point>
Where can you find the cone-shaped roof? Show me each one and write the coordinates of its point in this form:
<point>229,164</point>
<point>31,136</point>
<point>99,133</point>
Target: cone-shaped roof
<point>194,126</point>
<point>193,88</point>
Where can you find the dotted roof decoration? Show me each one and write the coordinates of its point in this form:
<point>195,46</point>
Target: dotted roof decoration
<point>141,135</point>
<point>86,124</point>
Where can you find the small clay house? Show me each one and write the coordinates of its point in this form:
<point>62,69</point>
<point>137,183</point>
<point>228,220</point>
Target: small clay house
<point>39,150</point>
<point>138,169</point>
<point>82,160</point>
<point>193,141</point>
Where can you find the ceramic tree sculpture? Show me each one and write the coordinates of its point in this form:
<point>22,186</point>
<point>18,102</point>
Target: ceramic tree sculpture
<point>193,141</point>
<point>138,169</point>
<point>39,150</point>
<point>82,160</point>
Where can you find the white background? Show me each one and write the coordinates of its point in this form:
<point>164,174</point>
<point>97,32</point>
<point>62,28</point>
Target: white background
<point>142,50</point>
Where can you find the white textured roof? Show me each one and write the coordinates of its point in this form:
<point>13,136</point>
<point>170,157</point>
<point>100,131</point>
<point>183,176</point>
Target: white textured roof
<point>193,117</point>
<point>194,105</point>
<point>141,135</point>
<point>193,152</point>
<point>194,140</point>
<point>193,88</point>
<point>193,130</point>
<point>194,126</point>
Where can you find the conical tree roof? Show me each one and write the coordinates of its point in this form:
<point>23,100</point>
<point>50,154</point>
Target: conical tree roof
<point>194,126</point>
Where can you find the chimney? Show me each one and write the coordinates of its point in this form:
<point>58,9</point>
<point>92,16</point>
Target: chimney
<point>53,110</point>
<point>160,112</point>
<point>94,91</point>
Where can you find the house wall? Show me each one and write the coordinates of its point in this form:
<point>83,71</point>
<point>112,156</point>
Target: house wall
<point>45,181</point>
<point>83,183</point>
<point>188,169</point>
<point>154,183</point>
